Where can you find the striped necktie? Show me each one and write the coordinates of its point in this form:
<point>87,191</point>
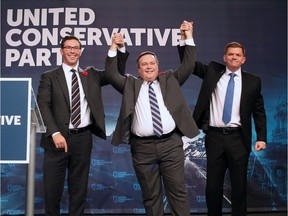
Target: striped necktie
<point>156,118</point>
<point>229,100</point>
<point>75,99</point>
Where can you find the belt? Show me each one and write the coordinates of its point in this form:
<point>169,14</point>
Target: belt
<point>163,136</point>
<point>225,130</point>
<point>78,130</point>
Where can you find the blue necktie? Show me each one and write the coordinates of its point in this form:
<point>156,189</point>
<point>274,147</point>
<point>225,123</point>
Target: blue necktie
<point>156,118</point>
<point>228,100</point>
<point>75,99</point>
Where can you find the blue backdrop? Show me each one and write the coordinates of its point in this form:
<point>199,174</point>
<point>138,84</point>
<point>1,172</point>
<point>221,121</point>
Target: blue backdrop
<point>30,34</point>
<point>15,113</point>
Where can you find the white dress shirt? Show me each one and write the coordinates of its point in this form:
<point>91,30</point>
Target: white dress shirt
<point>142,121</point>
<point>218,99</point>
<point>85,110</point>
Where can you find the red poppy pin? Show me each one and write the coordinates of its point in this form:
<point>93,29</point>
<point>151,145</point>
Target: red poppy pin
<point>85,73</point>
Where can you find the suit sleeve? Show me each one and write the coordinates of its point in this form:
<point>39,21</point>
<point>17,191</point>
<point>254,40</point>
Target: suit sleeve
<point>116,79</point>
<point>121,61</point>
<point>187,65</point>
<point>259,117</point>
<point>121,67</point>
<point>181,50</point>
<point>45,104</point>
<point>199,70</point>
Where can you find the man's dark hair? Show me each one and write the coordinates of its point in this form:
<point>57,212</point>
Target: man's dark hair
<point>146,53</point>
<point>70,37</point>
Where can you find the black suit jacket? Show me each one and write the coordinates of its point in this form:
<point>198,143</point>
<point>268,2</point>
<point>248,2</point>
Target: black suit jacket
<point>251,102</point>
<point>54,103</point>
<point>170,83</point>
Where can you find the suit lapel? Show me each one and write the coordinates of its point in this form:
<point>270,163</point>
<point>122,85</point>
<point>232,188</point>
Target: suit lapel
<point>138,84</point>
<point>61,80</point>
<point>84,81</point>
<point>215,80</point>
<point>245,88</point>
<point>162,81</point>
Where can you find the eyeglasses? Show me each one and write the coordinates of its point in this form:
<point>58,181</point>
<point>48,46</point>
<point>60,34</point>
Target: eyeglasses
<point>77,48</point>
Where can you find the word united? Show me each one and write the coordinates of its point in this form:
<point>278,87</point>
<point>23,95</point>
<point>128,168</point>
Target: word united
<point>34,35</point>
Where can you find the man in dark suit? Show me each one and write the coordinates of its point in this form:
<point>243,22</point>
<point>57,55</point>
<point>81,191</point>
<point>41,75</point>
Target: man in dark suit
<point>228,140</point>
<point>156,157</point>
<point>67,143</point>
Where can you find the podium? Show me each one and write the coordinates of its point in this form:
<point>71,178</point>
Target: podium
<point>20,121</point>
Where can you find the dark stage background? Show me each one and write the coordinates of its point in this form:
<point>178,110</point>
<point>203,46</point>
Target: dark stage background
<point>30,35</point>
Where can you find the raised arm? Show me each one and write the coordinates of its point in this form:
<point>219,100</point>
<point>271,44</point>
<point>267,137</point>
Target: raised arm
<point>122,54</point>
<point>188,61</point>
<point>114,76</point>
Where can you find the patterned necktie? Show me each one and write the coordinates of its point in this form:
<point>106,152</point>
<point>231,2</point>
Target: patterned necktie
<point>228,100</point>
<point>75,98</point>
<point>156,118</point>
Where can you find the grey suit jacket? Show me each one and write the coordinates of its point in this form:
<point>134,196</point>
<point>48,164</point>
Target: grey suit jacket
<point>170,84</point>
<point>54,103</point>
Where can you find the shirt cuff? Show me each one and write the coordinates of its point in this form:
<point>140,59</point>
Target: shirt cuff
<point>190,42</point>
<point>181,42</point>
<point>122,49</point>
<point>112,53</point>
<point>55,134</point>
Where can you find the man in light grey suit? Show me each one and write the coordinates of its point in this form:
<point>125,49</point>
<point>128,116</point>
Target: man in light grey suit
<point>156,158</point>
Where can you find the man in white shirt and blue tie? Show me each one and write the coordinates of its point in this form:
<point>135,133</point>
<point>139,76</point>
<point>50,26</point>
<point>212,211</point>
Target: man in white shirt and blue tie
<point>229,129</point>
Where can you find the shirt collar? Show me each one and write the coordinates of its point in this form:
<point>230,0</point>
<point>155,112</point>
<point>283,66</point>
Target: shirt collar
<point>238,72</point>
<point>156,82</point>
<point>67,68</point>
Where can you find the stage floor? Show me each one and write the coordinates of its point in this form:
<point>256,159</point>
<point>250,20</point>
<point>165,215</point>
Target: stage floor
<point>282,213</point>
<point>249,214</point>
